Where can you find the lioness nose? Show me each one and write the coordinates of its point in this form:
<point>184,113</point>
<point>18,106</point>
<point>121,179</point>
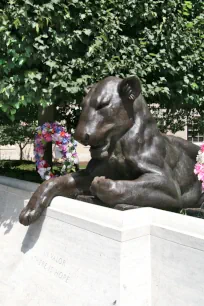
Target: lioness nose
<point>82,138</point>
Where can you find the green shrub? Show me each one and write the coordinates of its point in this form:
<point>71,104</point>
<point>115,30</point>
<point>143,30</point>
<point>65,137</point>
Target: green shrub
<point>25,170</point>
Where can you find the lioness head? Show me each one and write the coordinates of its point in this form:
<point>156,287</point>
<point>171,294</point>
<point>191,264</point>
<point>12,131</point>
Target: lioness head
<point>107,114</point>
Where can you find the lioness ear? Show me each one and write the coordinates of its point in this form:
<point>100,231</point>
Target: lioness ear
<point>130,88</point>
<point>88,88</point>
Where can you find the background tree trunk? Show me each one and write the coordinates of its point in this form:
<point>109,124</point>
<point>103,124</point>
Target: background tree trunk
<point>21,152</point>
<point>47,115</point>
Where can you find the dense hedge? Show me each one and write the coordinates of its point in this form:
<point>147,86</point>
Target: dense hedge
<point>21,170</point>
<point>26,170</point>
<point>51,50</point>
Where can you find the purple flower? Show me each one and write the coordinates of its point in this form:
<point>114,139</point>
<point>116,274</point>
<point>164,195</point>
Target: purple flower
<point>64,141</point>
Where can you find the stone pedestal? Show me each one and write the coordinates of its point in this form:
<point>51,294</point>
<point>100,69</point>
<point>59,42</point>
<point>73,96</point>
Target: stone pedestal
<point>80,254</point>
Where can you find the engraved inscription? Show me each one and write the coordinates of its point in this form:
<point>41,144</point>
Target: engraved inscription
<point>52,270</point>
<point>55,258</point>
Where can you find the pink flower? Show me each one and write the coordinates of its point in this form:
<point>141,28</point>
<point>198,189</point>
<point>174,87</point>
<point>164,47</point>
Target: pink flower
<point>47,124</point>
<point>48,137</point>
<point>39,150</point>
<point>42,164</point>
<point>37,140</point>
<point>23,123</point>
<point>197,168</point>
<point>202,147</point>
<point>63,147</point>
<point>55,137</point>
<point>201,176</point>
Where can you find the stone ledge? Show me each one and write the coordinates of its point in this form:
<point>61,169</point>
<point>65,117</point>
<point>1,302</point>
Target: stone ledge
<point>19,184</point>
<point>126,225</point>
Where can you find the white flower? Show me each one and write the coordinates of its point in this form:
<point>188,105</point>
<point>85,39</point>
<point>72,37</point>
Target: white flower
<point>76,160</point>
<point>69,166</point>
<point>200,157</point>
<point>68,155</point>
<point>55,137</point>
<point>41,171</point>
<point>64,168</point>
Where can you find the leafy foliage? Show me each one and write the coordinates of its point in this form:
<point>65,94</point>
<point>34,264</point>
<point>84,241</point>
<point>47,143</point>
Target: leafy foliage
<point>51,50</point>
<point>27,114</point>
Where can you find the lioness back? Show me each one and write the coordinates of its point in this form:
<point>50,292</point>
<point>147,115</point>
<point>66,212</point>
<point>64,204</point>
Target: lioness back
<point>190,148</point>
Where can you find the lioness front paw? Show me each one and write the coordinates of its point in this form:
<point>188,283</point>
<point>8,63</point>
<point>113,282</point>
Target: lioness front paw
<point>104,189</point>
<point>38,202</point>
<point>28,215</point>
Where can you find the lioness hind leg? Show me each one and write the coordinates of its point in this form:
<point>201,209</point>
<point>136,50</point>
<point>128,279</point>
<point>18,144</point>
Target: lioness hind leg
<point>125,207</point>
<point>197,212</point>
<point>94,200</point>
<point>91,199</point>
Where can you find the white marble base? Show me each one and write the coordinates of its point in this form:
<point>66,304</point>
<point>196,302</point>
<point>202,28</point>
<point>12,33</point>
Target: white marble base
<point>80,254</point>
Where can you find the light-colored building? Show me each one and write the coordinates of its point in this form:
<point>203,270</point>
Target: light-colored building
<point>13,152</point>
<point>190,135</point>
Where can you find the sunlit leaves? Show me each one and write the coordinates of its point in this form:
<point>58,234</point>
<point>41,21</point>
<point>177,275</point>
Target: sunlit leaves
<point>51,50</point>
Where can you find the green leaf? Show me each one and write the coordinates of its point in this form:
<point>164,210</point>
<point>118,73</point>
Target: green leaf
<point>50,6</point>
<point>37,28</point>
<point>51,64</point>
<point>13,111</point>
<point>21,61</point>
<point>87,32</point>
<point>194,86</point>
<point>189,24</point>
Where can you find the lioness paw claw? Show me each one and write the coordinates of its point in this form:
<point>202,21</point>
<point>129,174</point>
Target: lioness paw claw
<point>28,216</point>
<point>102,188</point>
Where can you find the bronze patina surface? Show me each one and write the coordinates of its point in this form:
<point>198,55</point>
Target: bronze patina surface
<point>132,163</point>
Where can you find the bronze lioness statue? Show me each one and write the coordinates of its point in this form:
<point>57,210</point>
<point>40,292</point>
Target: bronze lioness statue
<point>132,163</point>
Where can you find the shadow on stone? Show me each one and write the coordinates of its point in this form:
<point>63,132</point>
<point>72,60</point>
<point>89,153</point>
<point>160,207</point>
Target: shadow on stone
<point>9,213</point>
<point>32,235</point>
<point>8,223</point>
